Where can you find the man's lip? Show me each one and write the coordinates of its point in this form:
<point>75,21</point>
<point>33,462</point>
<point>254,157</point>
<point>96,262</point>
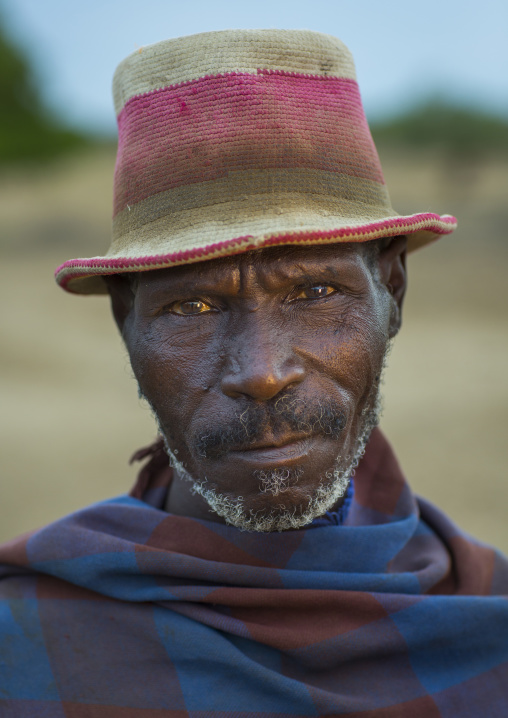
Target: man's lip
<point>291,451</point>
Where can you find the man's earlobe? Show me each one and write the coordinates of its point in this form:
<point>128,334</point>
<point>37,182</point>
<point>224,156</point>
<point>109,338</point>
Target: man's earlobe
<point>393,275</point>
<point>122,298</point>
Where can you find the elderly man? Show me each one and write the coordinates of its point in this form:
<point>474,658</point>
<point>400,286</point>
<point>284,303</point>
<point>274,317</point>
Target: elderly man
<point>271,559</point>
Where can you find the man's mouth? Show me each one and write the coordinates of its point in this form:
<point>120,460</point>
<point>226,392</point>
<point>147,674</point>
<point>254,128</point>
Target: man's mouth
<point>285,452</point>
<point>279,430</point>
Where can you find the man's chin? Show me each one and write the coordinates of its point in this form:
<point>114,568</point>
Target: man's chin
<point>279,505</point>
<point>279,512</point>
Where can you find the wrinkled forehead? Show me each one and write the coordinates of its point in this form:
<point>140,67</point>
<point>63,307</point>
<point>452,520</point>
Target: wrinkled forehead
<point>267,265</point>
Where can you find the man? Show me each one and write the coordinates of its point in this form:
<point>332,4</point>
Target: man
<point>271,560</point>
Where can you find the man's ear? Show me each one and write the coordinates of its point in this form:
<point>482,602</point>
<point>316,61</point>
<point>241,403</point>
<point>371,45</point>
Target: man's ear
<point>122,298</point>
<point>393,275</point>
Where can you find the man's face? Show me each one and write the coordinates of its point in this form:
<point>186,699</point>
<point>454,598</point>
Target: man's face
<point>263,371</point>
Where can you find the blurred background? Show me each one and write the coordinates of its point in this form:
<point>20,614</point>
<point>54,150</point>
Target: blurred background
<point>435,87</point>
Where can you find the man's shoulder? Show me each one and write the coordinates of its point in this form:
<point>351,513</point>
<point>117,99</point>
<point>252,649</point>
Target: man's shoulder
<point>39,561</point>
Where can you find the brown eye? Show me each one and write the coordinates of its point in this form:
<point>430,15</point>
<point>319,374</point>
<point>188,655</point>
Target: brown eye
<point>318,291</point>
<point>190,306</point>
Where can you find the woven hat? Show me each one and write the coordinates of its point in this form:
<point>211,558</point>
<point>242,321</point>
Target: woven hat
<point>236,140</point>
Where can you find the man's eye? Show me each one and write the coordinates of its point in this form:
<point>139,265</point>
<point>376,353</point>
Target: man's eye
<point>190,306</point>
<point>318,291</point>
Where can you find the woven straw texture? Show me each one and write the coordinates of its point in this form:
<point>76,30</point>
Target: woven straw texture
<point>237,140</point>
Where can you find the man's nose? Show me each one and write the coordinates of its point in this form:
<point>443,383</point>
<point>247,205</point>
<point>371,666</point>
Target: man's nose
<point>260,365</point>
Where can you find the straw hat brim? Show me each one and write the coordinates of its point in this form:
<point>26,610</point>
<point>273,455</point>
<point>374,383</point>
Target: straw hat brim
<point>198,242</point>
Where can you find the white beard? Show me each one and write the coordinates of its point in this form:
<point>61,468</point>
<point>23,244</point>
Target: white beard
<point>332,487</point>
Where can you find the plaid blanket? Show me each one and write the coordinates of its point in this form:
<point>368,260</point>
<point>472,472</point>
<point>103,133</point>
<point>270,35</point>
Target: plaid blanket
<point>122,610</point>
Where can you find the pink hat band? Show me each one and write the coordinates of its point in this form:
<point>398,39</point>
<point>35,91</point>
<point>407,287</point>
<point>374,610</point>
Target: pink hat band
<point>237,140</point>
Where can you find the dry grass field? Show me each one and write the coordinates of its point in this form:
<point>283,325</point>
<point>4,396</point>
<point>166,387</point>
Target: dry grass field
<point>70,414</point>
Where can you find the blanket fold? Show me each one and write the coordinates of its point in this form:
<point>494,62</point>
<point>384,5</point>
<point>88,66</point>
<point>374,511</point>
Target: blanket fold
<point>124,610</point>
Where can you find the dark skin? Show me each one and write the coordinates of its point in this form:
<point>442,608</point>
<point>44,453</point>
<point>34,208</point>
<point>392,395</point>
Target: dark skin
<point>212,340</point>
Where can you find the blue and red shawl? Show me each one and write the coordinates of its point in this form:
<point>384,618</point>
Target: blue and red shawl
<point>124,611</point>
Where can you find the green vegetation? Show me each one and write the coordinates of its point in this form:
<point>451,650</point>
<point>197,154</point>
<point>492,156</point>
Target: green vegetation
<point>460,132</point>
<point>27,131</point>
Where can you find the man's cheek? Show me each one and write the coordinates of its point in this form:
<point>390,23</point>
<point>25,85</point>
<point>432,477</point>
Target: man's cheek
<point>174,398</point>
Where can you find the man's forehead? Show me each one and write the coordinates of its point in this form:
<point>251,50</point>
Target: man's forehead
<point>275,263</point>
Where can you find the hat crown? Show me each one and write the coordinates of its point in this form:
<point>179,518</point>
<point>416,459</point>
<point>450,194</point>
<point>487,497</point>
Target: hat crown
<point>182,59</point>
<point>243,105</point>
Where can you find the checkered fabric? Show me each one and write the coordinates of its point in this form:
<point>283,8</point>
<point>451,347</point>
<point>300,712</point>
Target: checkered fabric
<point>122,610</point>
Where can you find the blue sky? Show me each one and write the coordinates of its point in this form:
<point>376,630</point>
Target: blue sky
<point>404,51</point>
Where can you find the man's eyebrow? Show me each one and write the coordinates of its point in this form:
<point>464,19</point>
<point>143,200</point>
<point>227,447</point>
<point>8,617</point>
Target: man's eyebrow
<point>190,285</point>
<point>319,269</point>
<point>315,269</point>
